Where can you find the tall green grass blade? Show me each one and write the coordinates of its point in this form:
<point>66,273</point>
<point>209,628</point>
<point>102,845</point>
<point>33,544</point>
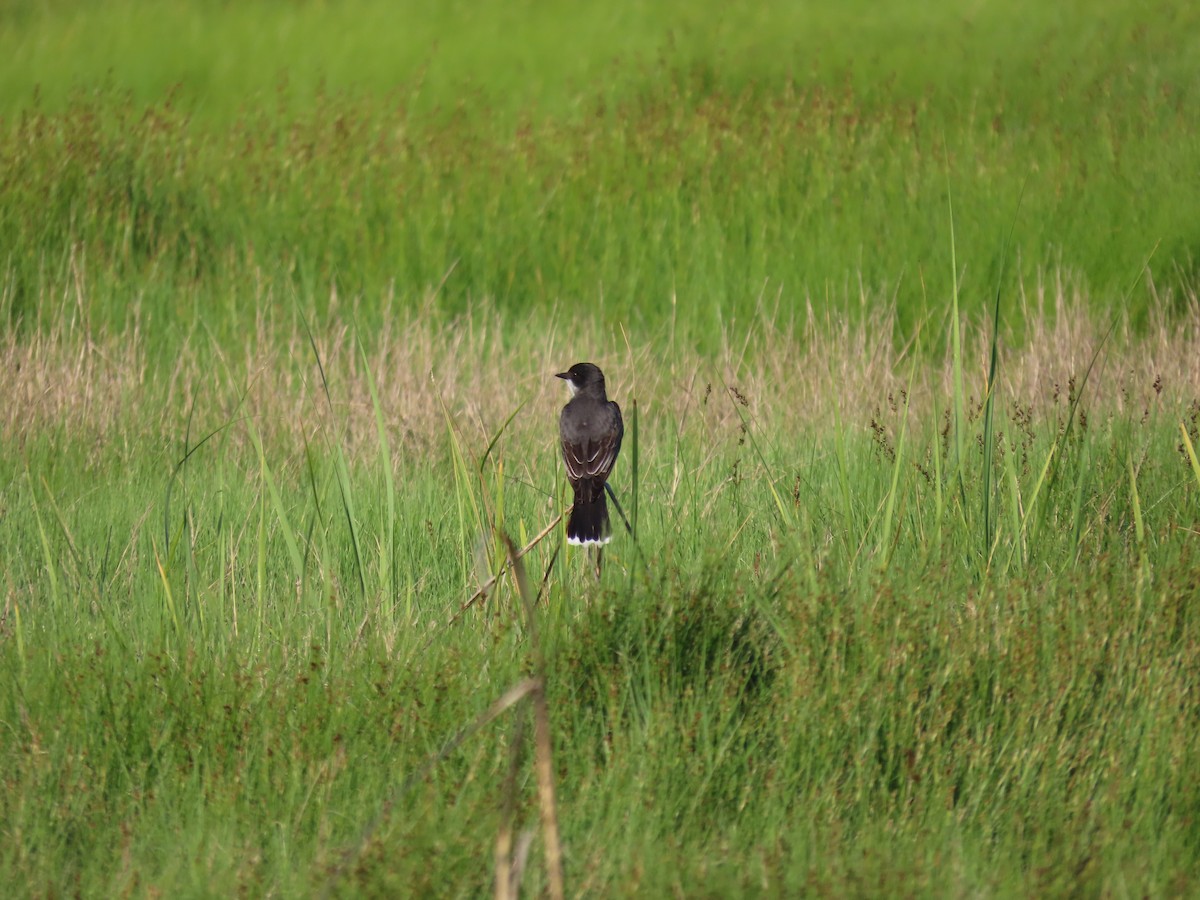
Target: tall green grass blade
<point>495,514</point>
<point>470,519</point>
<point>190,450</point>
<point>388,558</point>
<point>168,594</point>
<point>1135,501</point>
<point>281,516</point>
<point>884,549</point>
<point>1029,536</point>
<point>187,435</point>
<point>48,561</point>
<point>346,494</point>
<point>939,497</point>
<point>19,635</point>
<point>260,572</point>
<point>1015,513</point>
<point>959,424</point>
<point>1077,505</point>
<point>341,472</point>
<point>499,433</point>
<point>992,382</point>
<point>1191,452</point>
<point>986,478</point>
<point>843,473</point>
<point>634,466</point>
<point>498,503</point>
<point>318,516</point>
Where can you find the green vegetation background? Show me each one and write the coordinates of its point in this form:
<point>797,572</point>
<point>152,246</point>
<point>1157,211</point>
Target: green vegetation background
<point>543,154</point>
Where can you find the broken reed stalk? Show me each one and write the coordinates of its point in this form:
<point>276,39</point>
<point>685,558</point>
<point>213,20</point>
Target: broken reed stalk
<point>508,870</point>
<point>506,701</point>
<point>507,876</point>
<point>487,585</point>
<point>543,748</point>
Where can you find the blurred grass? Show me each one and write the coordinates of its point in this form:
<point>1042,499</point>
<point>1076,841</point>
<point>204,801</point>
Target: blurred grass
<point>197,161</point>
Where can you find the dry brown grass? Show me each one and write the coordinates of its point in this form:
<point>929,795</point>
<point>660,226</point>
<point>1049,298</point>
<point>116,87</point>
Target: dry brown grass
<point>792,375</point>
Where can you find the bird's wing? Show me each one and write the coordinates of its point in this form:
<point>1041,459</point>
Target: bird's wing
<point>594,459</point>
<point>589,459</point>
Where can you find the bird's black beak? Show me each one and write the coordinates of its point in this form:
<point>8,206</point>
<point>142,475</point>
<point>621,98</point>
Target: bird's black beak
<point>563,375</point>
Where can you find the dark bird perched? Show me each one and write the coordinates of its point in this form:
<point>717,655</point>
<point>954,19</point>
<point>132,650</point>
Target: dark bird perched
<point>591,430</point>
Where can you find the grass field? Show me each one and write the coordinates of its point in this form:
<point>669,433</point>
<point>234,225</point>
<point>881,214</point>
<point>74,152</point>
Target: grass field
<point>222,157</point>
<point>910,606</point>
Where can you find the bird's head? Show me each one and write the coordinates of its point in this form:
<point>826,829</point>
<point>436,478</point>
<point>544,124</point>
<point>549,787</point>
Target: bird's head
<point>584,377</point>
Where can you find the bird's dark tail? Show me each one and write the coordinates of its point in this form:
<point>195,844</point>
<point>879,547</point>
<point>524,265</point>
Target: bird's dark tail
<point>589,523</point>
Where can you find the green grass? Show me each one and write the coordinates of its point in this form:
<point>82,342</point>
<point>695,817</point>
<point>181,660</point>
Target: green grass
<point>820,668</point>
<point>911,604</point>
<point>219,158</point>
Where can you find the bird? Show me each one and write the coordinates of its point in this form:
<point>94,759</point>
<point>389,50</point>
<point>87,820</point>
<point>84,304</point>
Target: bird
<point>591,429</point>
